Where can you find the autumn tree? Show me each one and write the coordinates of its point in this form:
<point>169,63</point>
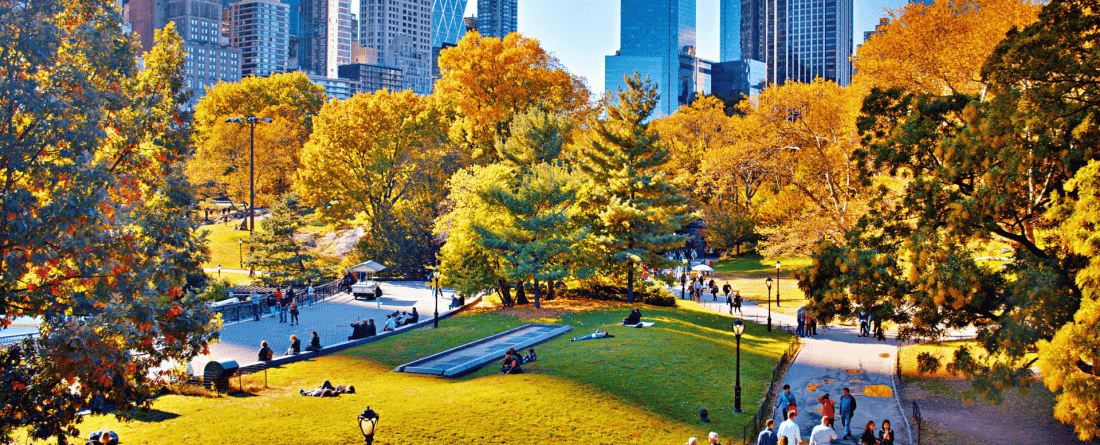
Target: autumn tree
<point>633,207</point>
<point>385,156</point>
<point>939,48</point>
<point>96,241</point>
<point>808,132</point>
<point>487,80</point>
<point>1013,169</point>
<point>220,166</point>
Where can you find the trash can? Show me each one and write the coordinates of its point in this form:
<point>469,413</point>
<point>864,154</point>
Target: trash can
<point>216,374</point>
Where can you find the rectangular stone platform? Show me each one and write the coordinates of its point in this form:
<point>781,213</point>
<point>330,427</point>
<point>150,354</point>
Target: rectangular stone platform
<point>471,356</point>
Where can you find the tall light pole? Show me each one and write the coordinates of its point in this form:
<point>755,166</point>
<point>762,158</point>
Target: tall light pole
<point>251,121</point>
<point>435,296</point>
<point>769,283</point>
<point>240,251</point>
<point>738,329</point>
<point>776,284</point>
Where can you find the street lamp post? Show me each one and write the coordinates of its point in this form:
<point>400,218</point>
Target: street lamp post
<point>368,423</point>
<point>738,329</point>
<point>769,283</point>
<point>435,296</point>
<point>219,271</point>
<point>240,250</point>
<point>683,279</point>
<point>776,284</point>
<point>251,121</point>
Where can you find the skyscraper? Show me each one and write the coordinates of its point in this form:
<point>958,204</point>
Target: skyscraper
<point>259,29</point>
<point>799,39</point>
<point>729,32</point>
<point>658,40</point>
<point>401,31</point>
<point>210,59</point>
<point>448,25</point>
<point>324,42</point>
<point>498,18</point>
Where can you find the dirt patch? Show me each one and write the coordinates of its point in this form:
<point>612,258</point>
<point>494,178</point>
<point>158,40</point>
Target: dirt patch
<point>1022,419</point>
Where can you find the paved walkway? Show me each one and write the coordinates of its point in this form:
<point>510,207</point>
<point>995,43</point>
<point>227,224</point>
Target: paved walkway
<point>834,359</point>
<point>331,319</point>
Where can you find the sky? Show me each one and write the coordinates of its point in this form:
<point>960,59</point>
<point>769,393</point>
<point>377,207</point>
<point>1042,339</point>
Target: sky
<point>581,32</point>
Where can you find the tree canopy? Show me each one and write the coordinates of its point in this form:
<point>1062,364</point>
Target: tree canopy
<point>96,240</point>
<point>220,166</point>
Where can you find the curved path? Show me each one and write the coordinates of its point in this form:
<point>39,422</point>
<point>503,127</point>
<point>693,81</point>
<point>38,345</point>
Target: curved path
<point>834,359</point>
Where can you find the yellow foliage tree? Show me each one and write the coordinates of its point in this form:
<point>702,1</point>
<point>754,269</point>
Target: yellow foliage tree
<point>372,152</point>
<point>220,165</point>
<point>808,136</point>
<point>486,81</point>
<point>940,48</point>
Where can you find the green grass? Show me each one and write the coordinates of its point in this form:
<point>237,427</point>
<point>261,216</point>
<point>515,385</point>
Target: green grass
<point>222,240</point>
<point>753,264</point>
<point>643,386</point>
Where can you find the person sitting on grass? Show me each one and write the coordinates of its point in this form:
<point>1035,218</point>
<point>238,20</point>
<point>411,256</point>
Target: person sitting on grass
<point>635,317</point>
<point>530,357</point>
<point>594,335</point>
<point>510,364</point>
<point>327,390</point>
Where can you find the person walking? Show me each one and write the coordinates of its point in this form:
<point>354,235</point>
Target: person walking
<point>729,301</point>
<point>273,303</point>
<point>713,291</point>
<point>309,292</point>
<point>738,300</point>
<point>886,435</point>
<point>847,409</point>
<point>785,400</point>
<point>823,434</point>
<point>294,311</point>
<point>800,316</point>
<point>284,307</point>
<point>868,436</point>
<point>790,429</point>
<point>727,289</point>
<point>767,436</point>
<point>811,323</point>
<point>827,405</point>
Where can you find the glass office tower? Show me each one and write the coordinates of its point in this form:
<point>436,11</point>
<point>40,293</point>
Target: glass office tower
<point>259,29</point>
<point>448,25</point>
<point>729,33</point>
<point>799,39</point>
<point>654,36</point>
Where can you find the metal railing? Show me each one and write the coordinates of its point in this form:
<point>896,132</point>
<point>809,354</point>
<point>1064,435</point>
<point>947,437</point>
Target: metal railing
<point>748,433</point>
<point>918,420</point>
<point>245,310</point>
<point>12,340</point>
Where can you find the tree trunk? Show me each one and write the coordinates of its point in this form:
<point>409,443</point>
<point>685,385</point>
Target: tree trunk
<point>505,293</point>
<point>537,294</point>
<point>630,283</point>
<point>521,294</point>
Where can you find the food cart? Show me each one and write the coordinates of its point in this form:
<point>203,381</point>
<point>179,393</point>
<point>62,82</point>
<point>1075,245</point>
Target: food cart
<point>363,288</point>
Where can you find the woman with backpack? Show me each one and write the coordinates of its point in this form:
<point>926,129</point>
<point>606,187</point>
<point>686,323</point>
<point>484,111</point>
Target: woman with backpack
<point>294,311</point>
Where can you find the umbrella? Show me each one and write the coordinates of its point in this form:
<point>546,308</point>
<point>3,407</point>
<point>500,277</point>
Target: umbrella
<point>703,268</point>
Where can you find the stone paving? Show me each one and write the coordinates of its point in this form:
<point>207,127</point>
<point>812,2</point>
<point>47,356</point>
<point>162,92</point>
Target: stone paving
<point>331,318</point>
<point>834,359</point>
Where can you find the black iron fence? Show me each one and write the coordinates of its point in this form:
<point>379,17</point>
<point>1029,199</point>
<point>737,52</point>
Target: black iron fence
<point>247,309</point>
<point>764,412</point>
<point>918,420</point>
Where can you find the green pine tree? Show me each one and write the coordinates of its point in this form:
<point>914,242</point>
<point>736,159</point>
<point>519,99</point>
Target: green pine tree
<point>634,207</point>
<point>276,251</point>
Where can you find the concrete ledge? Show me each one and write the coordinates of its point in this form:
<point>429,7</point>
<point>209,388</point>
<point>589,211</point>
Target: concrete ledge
<point>456,370</point>
<point>287,359</point>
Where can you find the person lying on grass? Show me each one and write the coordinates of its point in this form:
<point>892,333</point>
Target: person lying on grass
<point>327,390</point>
<point>594,335</point>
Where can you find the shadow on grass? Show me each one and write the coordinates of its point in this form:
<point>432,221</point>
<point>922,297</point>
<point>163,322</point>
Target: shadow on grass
<point>154,415</point>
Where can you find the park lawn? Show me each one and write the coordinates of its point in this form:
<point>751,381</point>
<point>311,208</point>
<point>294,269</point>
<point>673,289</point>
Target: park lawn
<point>222,240</point>
<point>643,386</point>
<point>752,264</point>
